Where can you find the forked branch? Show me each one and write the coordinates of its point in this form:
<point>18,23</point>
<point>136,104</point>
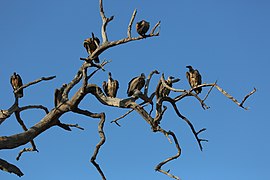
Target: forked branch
<point>159,166</point>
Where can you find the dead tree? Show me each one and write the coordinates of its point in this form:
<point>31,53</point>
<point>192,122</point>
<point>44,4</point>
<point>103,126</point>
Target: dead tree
<point>65,103</point>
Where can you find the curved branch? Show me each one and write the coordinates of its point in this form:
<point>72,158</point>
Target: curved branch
<point>159,166</point>
<point>4,114</point>
<point>154,29</point>
<point>148,81</point>
<point>105,21</point>
<point>131,22</point>
<point>35,82</point>
<point>33,107</point>
<point>168,99</point>
<point>34,148</point>
<point>101,116</point>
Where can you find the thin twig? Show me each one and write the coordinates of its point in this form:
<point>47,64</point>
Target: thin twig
<point>206,96</point>
<point>121,117</point>
<point>20,121</point>
<point>247,96</point>
<point>131,22</point>
<point>154,29</point>
<point>124,115</point>
<point>101,116</point>
<point>34,107</point>
<point>35,82</point>
<point>101,67</point>
<point>233,99</point>
<point>75,125</point>
<point>25,150</point>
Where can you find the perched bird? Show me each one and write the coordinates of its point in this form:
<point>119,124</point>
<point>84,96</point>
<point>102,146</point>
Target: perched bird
<point>162,91</point>
<point>194,79</point>
<point>90,45</point>
<point>110,87</point>
<point>136,83</point>
<point>16,83</point>
<point>58,95</point>
<point>142,27</point>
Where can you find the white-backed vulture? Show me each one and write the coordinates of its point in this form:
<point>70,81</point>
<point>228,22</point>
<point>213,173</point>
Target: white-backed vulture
<point>162,91</point>
<point>16,83</point>
<point>194,79</point>
<point>90,45</point>
<point>142,27</point>
<point>58,95</point>
<point>111,86</point>
<point>136,83</point>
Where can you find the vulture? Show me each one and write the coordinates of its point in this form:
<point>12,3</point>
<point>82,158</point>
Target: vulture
<point>90,45</point>
<point>58,95</point>
<point>162,91</point>
<point>142,27</point>
<point>194,79</point>
<point>16,83</point>
<point>136,83</point>
<point>110,87</point>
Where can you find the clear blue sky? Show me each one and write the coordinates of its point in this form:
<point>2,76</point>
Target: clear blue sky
<point>228,41</point>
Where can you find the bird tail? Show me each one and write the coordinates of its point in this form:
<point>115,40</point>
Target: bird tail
<point>96,60</point>
<point>19,94</point>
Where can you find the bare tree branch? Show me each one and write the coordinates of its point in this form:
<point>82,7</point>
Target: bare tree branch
<point>101,67</point>
<point>4,114</point>
<point>247,96</point>
<point>75,126</point>
<point>148,81</point>
<point>154,29</point>
<point>233,99</point>
<point>6,166</point>
<point>66,104</point>
<point>206,96</point>
<point>35,82</point>
<point>159,166</point>
<point>34,148</point>
<point>101,116</point>
<point>33,107</point>
<point>105,22</point>
<point>131,22</point>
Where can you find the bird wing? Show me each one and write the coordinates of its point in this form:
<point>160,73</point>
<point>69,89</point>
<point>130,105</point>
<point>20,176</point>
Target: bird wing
<point>140,84</point>
<point>132,85</point>
<point>157,92</point>
<point>56,97</point>
<point>198,77</point>
<point>105,87</point>
<point>20,83</point>
<point>189,78</point>
<point>167,91</point>
<point>86,45</point>
<point>116,86</point>
<point>12,82</point>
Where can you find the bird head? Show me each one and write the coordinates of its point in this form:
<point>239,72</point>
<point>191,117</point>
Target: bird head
<point>110,74</point>
<point>143,75</point>
<point>189,67</point>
